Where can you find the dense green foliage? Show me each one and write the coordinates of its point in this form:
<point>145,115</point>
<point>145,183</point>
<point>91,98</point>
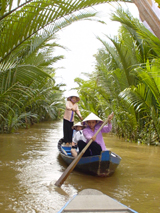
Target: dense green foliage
<point>127,82</point>
<point>126,79</point>
<point>28,92</point>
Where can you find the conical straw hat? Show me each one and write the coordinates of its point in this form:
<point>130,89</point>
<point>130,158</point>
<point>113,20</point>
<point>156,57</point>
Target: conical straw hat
<point>77,124</point>
<point>92,117</point>
<point>73,94</point>
<point>69,98</point>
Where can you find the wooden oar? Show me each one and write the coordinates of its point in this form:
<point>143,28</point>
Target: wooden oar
<point>79,116</point>
<point>76,160</point>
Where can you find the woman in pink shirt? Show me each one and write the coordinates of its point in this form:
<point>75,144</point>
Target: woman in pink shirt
<point>68,119</point>
<point>93,123</point>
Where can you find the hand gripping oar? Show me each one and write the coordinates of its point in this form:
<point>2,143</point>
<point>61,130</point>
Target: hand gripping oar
<point>79,116</point>
<point>76,160</point>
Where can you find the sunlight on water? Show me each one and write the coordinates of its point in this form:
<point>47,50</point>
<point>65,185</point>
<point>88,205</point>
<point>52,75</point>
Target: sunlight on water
<point>30,166</point>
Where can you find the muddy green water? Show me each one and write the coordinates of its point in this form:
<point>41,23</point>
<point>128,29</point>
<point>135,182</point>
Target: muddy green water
<point>30,166</point>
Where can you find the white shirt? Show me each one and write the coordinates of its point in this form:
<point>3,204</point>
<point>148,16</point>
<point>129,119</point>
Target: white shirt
<point>79,136</point>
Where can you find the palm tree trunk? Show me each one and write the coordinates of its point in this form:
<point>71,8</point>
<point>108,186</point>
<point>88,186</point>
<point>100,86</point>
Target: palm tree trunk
<point>149,16</point>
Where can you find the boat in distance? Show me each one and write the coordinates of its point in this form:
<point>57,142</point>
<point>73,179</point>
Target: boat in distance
<point>92,200</point>
<point>103,165</point>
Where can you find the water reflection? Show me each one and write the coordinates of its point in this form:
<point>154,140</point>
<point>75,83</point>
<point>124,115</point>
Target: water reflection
<point>30,166</point>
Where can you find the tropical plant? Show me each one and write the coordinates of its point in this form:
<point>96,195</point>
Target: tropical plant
<point>146,101</point>
<point>25,26</point>
<point>14,92</point>
<point>35,16</point>
<point>145,98</point>
<point>126,80</point>
<point>28,89</point>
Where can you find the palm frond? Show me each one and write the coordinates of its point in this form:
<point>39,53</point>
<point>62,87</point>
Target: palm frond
<point>34,16</point>
<point>129,22</point>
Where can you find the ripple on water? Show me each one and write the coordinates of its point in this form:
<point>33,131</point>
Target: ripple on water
<point>30,166</point>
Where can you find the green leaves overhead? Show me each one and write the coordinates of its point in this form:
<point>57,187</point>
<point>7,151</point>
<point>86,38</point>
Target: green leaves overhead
<point>22,20</point>
<point>19,20</point>
<point>127,81</point>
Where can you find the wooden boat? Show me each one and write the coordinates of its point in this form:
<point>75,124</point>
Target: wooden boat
<point>92,200</point>
<point>98,165</point>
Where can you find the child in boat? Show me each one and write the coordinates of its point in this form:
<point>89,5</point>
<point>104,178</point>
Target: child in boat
<point>78,135</point>
<point>93,123</point>
<point>68,119</point>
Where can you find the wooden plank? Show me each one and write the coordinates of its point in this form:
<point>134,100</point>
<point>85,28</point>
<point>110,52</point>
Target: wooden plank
<point>92,200</point>
<point>93,203</point>
<point>149,16</point>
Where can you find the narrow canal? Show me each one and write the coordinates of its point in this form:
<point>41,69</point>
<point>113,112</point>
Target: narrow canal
<point>30,166</point>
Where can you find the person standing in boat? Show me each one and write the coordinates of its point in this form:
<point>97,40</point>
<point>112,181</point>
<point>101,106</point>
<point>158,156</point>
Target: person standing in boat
<point>68,118</point>
<point>78,135</point>
<point>93,123</point>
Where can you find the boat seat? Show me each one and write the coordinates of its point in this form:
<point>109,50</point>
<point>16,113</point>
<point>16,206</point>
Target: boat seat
<point>66,151</point>
<point>69,154</point>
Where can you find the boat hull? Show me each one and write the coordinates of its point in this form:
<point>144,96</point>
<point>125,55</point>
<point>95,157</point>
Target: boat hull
<point>92,200</point>
<point>99,165</point>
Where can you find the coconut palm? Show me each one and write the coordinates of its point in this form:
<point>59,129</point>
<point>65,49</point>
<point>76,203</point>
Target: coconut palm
<point>34,16</point>
<point>145,99</point>
<point>21,19</point>
<point>145,95</point>
<point>124,81</point>
<point>27,73</point>
<point>22,32</point>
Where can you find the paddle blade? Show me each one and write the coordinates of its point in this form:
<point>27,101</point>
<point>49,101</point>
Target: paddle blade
<point>69,169</point>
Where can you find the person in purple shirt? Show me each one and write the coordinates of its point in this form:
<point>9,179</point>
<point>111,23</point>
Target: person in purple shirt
<point>93,123</point>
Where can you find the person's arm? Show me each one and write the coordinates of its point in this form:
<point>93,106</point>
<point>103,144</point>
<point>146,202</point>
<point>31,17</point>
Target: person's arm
<point>73,145</point>
<point>87,134</point>
<point>68,105</point>
<point>108,128</point>
<point>78,112</point>
<point>73,142</point>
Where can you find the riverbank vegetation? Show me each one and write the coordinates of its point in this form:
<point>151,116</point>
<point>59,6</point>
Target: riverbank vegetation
<point>126,77</point>
<point>127,81</point>
<point>28,90</point>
